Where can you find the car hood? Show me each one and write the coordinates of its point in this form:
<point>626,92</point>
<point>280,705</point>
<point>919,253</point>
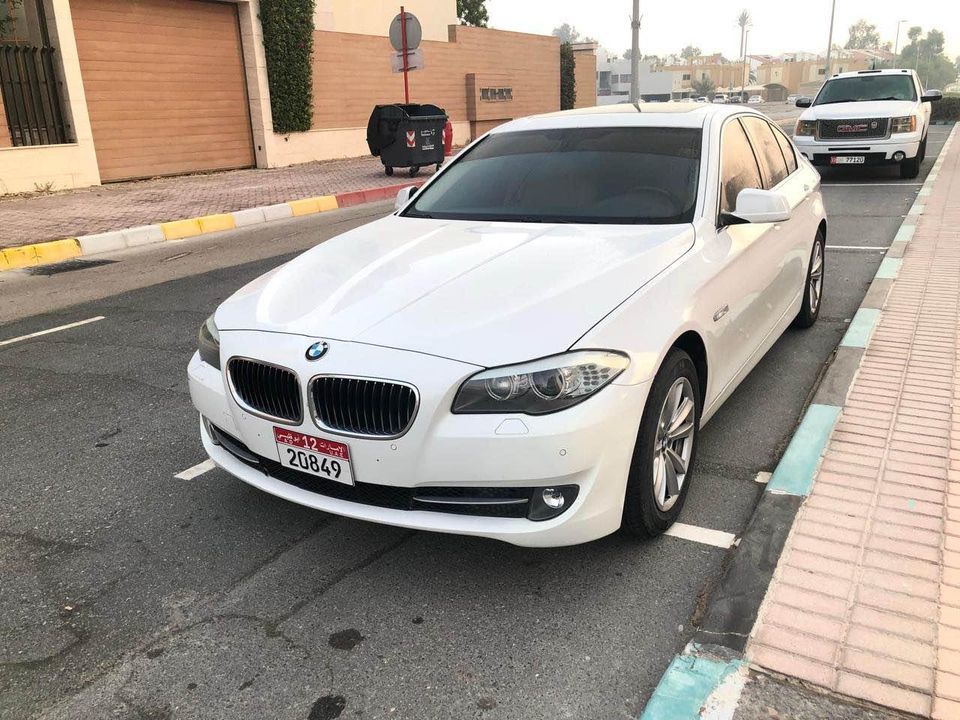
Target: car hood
<point>857,110</point>
<point>483,293</point>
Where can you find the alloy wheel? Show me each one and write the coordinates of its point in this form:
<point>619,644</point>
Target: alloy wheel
<point>815,284</point>
<point>673,446</point>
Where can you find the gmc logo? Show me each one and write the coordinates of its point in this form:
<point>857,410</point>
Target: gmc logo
<point>849,128</point>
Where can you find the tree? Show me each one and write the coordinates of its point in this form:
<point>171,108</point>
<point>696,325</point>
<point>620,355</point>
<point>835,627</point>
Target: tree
<point>568,78</point>
<point>690,53</point>
<point>703,86</point>
<point>472,12</point>
<point>862,35</point>
<point>567,33</point>
<point>957,64</point>
<point>925,55</point>
<point>743,20</point>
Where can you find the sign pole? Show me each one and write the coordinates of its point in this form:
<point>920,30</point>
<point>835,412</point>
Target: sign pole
<point>403,35</point>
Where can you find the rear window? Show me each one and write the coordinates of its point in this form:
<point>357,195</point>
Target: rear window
<point>862,88</point>
<point>625,175</point>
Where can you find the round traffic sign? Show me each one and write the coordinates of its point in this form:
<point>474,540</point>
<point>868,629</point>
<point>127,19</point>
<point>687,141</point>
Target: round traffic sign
<point>414,32</point>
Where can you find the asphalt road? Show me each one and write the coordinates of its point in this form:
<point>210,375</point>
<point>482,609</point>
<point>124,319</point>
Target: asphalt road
<point>129,593</point>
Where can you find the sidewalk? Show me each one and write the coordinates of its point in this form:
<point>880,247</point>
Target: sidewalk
<point>117,206</point>
<point>865,601</point>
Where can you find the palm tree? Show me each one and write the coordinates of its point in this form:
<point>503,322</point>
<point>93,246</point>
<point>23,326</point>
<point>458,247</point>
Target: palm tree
<point>743,21</point>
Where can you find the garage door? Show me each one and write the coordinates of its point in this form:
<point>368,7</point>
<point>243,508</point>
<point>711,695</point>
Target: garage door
<point>165,86</point>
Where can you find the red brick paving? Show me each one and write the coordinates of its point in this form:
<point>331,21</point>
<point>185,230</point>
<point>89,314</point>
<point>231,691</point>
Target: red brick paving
<point>118,206</point>
<point>866,597</point>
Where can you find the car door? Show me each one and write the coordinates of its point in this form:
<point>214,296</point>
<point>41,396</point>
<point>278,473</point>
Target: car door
<point>747,260</point>
<point>790,241</point>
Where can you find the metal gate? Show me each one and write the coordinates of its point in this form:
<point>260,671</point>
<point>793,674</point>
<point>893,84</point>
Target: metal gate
<point>31,86</point>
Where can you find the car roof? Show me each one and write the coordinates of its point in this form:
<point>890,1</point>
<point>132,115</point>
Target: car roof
<point>886,71</point>
<point>685,115</point>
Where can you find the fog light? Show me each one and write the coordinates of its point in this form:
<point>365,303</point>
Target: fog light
<point>547,503</point>
<point>899,156</point>
<point>553,498</point>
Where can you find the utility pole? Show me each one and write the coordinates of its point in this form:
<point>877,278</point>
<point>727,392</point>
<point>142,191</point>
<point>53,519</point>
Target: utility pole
<point>896,42</point>
<point>744,76</point>
<point>635,59</point>
<point>833,11</point>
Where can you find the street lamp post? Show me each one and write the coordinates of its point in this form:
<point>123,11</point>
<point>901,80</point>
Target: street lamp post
<point>744,77</point>
<point>896,42</point>
<point>833,11</point>
<point>635,58</point>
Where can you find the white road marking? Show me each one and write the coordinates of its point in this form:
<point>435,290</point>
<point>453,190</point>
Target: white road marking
<point>196,470</point>
<point>872,248</point>
<point>717,538</point>
<point>871,185</point>
<point>763,477</point>
<point>51,330</point>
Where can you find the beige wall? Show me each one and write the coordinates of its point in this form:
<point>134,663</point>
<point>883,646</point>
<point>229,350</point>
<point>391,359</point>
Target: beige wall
<point>793,75</point>
<point>585,73</point>
<point>26,169</point>
<point>5,140</point>
<point>352,74</point>
<point>372,17</point>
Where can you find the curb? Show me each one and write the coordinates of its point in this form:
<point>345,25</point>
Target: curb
<point>46,253</point>
<point>708,666</point>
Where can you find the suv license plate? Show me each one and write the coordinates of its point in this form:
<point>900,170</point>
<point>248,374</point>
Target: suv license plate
<point>324,458</point>
<point>847,160</point>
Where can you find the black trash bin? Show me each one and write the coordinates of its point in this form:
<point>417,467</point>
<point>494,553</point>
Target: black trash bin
<point>407,136</point>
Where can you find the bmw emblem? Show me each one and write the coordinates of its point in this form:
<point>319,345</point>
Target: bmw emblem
<point>317,350</point>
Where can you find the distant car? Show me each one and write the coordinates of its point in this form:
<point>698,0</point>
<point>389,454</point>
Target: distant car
<point>701,99</point>
<point>869,117</point>
<point>755,100</point>
<point>720,99</point>
<point>791,99</point>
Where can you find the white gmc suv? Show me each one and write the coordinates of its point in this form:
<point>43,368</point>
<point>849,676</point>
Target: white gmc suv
<point>870,117</point>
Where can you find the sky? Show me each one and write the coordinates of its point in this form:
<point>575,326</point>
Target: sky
<point>778,27</point>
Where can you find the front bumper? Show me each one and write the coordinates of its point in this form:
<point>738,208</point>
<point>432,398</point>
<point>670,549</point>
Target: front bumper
<point>876,152</point>
<point>589,445</point>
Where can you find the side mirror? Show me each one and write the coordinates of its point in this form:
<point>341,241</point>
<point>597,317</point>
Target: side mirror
<point>932,96</point>
<point>404,196</point>
<point>804,102</point>
<point>758,206</point>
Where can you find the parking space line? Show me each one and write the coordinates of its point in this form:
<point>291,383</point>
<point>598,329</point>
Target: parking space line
<point>706,536</point>
<point>871,248</point>
<point>871,185</point>
<point>51,330</point>
<point>196,470</point>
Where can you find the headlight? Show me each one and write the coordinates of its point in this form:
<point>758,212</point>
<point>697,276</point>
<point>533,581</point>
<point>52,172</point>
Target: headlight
<point>905,124</point>
<point>806,127</point>
<point>208,342</point>
<point>542,386</point>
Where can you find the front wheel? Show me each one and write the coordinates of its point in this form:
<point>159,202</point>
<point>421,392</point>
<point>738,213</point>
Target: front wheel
<point>412,172</point>
<point>910,168</point>
<point>388,170</point>
<point>813,287</point>
<point>664,455</point>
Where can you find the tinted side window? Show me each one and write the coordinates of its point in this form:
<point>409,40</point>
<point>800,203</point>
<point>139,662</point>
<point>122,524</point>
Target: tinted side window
<point>787,148</point>
<point>738,166</point>
<point>772,164</point>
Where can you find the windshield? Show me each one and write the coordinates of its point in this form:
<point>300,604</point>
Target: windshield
<point>626,175</point>
<point>867,87</point>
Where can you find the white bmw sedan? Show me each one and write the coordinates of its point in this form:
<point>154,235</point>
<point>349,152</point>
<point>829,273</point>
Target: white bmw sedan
<point>528,347</point>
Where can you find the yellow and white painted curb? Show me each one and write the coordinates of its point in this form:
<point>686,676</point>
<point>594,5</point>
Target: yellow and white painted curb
<point>45,253</point>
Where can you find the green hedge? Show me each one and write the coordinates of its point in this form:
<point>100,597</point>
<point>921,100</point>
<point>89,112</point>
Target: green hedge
<point>288,42</point>
<point>568,78</point>
<point>947,110</point>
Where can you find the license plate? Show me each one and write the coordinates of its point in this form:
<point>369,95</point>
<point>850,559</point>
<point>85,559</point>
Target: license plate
<point>848,160</point>
<point>324,458</point>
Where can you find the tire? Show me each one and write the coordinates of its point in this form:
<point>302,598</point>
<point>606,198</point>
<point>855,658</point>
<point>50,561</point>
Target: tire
<point>813,301</point>
<point>414,170</point>
<point>649,508</point>
<point>909,169</point>
<point>439,165</point>
<point>923,149</point>
<point>388,170</point>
